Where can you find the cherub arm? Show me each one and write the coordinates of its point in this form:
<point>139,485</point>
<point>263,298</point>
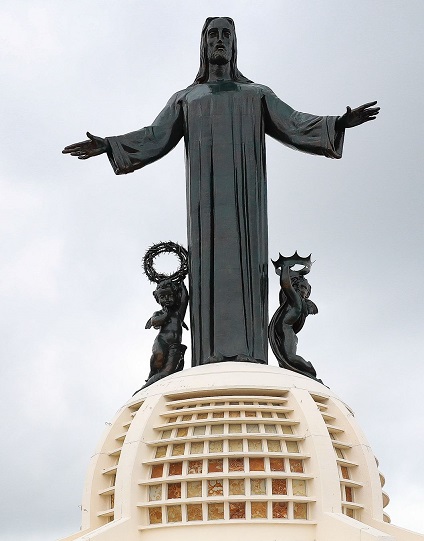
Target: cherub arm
<point>158,319</point>
<point>183,304</point>
<point>286,285</point>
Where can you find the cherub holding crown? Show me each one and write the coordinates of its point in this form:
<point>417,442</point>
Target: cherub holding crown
<point>290,317</point>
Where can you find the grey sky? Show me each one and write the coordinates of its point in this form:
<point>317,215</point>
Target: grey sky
<point>74,300</point>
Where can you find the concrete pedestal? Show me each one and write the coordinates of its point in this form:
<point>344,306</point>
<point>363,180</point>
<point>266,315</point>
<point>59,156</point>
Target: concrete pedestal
<point>235,451</point>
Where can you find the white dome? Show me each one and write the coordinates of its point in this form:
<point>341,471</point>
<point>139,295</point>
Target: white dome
<point>238,450</point>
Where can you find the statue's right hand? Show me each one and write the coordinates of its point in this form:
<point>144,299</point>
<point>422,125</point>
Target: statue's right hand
<point>87,149</point>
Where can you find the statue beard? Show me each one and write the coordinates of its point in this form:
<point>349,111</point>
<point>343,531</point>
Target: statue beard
<point>219,57</point>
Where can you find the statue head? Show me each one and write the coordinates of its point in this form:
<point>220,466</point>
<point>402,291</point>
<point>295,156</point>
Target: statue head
<point>215,29</point>
<point>167,293</point>
<point>301,285</point>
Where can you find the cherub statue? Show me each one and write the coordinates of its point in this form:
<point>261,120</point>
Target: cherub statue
<point>289,318</point>
<point>168,351</point>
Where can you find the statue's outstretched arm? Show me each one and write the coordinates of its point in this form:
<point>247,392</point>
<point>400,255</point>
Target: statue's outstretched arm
<point>302,131</point>
<point>94,146</point>
<point>134,150</point>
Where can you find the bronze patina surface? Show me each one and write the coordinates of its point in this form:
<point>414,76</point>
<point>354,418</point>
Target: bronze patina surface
<point>223,118</point>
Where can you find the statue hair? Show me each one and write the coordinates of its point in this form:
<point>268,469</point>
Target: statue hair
<point>165,284</point>
<point>203,73</point>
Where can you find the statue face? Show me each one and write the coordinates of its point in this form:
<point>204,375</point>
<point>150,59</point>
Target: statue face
<point>219,37</point>
<point>166,297</point>
<point>303,289</point>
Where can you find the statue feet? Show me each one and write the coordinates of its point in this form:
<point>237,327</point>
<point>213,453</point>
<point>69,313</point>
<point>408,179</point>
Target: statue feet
<point>247,359</point>
<point>219,358</point>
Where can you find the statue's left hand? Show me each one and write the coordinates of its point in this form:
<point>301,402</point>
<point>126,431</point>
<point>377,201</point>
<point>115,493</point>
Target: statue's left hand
<point>355,117</point>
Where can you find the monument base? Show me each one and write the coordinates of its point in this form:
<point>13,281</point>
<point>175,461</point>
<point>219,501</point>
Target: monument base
<point>247,452</point>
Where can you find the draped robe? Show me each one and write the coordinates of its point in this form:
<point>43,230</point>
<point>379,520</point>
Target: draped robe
<point>224,126</point>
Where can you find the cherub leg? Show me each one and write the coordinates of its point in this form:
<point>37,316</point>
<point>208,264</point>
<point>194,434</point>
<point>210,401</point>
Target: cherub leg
<point>159,355</point>
<point>171,364</point>
<point>169,367</point>
<point>173,360</point>
<point>157,361</point>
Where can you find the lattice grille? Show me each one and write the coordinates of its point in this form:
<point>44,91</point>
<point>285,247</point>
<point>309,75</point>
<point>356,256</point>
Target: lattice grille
<point>226,458</point>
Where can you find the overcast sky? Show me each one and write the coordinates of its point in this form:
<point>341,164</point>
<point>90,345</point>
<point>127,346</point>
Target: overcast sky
<point>74,301</point>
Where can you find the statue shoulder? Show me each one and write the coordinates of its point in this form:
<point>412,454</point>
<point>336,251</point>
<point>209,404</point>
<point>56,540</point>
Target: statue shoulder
<point>179,95</point>
<point>265,90</point>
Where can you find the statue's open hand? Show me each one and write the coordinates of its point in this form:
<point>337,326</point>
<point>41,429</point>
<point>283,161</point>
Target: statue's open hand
<point>355,117</point>
<point>87,149</point>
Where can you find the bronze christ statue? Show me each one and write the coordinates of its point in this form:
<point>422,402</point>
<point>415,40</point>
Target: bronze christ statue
<point>223,117</point>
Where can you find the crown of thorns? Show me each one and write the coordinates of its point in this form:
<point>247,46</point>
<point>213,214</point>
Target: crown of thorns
<point>165,248</point>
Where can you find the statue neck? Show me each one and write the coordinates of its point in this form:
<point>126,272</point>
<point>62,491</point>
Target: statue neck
<point>219,72</point>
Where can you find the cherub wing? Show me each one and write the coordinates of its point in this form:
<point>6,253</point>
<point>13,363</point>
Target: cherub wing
<point>311,307</point>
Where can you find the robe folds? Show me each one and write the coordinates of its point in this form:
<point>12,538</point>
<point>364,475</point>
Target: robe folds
<point>224,126</point>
